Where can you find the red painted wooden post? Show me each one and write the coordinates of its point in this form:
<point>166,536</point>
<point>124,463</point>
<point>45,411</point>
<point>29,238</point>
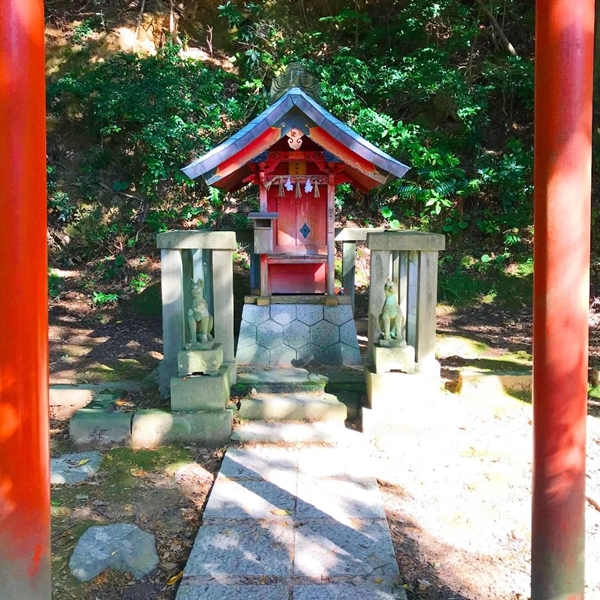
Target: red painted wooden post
<point>24,444</point>
<point>563,119</point>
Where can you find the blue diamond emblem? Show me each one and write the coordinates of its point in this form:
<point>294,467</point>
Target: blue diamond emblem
<point>305,230</point>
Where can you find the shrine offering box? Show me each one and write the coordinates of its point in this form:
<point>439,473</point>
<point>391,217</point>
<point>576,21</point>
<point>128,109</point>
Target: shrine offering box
<point>263,231</point>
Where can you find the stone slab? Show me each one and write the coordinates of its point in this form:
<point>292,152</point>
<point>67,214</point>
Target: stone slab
<point>122,546</point>
<point>246,549</point>
<point>90,428</point>
<point>232,366</point>
<point>216,591</point>
<point>201,392</point>
<point>200,361</point>
<point>394,359</point>
<point>354,234</point>
<point>386,390</point>
<point>342,500</point>
<point>300,406</point>
<point>289,432</point>
<point>490,383</point>
<point>406,241</point>
<point>66,401</point>
<point>326,548</point>
<point>288,379</point>
<point>196,239</point>
<point>152,427</point>
<point>385,590</point>
<point>259,462</point>
<point>251,499</point>
<point>74,468</point>
<point>253,354</point>
<point>335,463</point>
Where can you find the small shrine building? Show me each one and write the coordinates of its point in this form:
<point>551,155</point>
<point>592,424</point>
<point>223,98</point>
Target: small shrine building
<point>296,153</point>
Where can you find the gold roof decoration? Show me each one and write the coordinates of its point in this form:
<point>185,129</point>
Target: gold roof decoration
<point>295,76</point>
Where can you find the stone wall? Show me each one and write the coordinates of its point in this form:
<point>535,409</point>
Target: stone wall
<point>298,334</point>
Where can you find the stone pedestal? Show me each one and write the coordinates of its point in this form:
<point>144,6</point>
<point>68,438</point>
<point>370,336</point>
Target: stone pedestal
<point>388,395</point>
<point>195,255</point>
<point>200,361</point>
<point>201,392</point>
<point>394,358</point>
<point>151,428</point>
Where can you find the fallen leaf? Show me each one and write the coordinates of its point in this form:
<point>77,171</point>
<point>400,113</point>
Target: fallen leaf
<point>281,512</point>
<point>82,462</point>
<point>173,580</point>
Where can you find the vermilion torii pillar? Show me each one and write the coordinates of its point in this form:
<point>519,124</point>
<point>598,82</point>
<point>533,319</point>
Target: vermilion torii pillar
<point>563,129</point>
<point>24,460</point>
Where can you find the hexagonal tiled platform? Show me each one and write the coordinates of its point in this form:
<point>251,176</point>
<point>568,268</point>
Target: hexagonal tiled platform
<point>270,334</point>
<point>298,334</point>
<point>324,334</point>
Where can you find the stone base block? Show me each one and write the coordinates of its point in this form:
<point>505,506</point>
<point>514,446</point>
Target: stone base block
<point>201,392</point>
<point>232,366</point>
<point>385,391</point>
<point>166,370</point>
<point>153,427</point>
<point>200,361</point>
<point>300,406</point>
<point>493,383</point>
<point>399,358</point>
<point>96,428</point>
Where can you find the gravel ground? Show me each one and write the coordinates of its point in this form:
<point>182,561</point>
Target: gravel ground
<point>456,479</point>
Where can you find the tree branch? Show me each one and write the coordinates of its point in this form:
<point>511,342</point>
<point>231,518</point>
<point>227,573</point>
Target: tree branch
<point>496,26</point>
<point>139,21</point>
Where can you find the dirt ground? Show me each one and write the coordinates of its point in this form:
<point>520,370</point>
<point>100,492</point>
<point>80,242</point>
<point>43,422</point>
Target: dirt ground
<point>456,478</point>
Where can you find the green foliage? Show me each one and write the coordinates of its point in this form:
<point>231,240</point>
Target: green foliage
<point>429,83</point>
<point>485,279</point>
<point>140,282</point>
<point>54,284</point>
<point>150,114</point>
<point>104,299</point>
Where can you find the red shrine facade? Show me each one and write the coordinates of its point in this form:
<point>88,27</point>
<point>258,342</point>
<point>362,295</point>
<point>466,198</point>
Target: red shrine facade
<point>296,153</point>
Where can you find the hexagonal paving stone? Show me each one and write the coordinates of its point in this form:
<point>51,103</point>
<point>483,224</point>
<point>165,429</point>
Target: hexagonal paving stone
<point>296,334</point>
<point>338,314</point>
<point>247,335</point>
<point>350,355</point>
<point>283,313</point>
<point>332,355</point>
<point>256,314</point>
<point>348,334</point>
<point>283,356</point>
<point>310,314</point>
<point>270,334</point>
<point>253,355</point>
<point>324,334</point>
<point>309,353</point>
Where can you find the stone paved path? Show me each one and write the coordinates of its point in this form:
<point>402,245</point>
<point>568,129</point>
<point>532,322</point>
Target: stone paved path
<point>287,523</point>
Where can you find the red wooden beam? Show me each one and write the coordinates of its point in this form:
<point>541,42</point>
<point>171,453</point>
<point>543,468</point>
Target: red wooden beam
<point>563,127</point>
<point>24,444</point>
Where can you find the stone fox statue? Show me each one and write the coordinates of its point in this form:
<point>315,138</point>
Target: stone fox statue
<point>200,321</point>
<point>391,319</point>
